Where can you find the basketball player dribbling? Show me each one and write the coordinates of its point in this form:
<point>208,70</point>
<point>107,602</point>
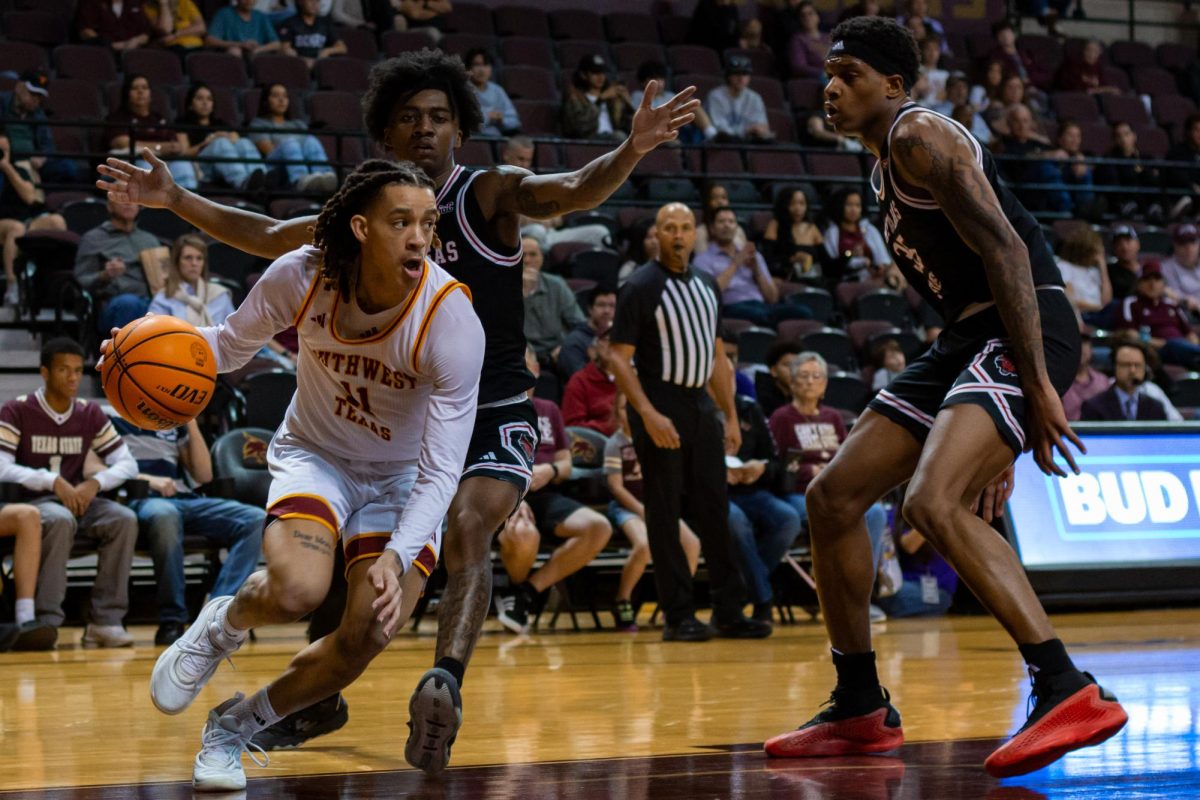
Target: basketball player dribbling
<point>420,106</point>
<point>370,451</point>
<point>953,422</point>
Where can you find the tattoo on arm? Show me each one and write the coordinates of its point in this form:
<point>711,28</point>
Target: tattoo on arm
<point>529,205</point>
<point>316,543</point>
<point>943,163</point>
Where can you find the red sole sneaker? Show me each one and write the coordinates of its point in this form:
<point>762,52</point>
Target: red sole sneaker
<point>1082,720</point>
<point>857,735</point>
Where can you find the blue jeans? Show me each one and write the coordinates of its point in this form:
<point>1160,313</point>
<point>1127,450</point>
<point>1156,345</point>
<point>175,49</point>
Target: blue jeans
<point>1181,352</point>
<point>766,315</point>
<point>764,527</point>
<point>301,148</point>
<point>232,173</point>
<point>875,517</point>
<point>120,311</point>
<point>229,523</point>
<point>908,603</point>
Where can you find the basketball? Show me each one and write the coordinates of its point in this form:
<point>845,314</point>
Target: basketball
<point>159,373</point>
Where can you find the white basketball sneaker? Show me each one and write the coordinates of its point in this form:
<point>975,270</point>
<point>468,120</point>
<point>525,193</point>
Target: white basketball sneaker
<point>184,667</point>
<point>218,766</point>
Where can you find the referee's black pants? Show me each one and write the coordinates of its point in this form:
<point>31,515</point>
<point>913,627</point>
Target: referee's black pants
<point>695,474</point>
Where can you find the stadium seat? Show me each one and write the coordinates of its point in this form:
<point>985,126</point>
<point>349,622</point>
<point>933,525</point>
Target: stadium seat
<point>762,62</point>
<point>843,165</point>
<point>1078,106</point>
<point>631,55</point>
<point>162,66</point>
<point>538,118</point>
<point>241,455</point>
<point>527,21</point>
<point>818,301</point>
<point>529,83</point>
<point>217,69</point>
<point>883,304</point>
<point>848,292</point>
<point>771,91</point>
<point>863,332</point>
<point>475,153</point>
<point>687,59</point>
<point>336,110</point>
<point>548,155</point>
<point>794,330</point>
<point>1170,112</point>
<point>1174,57</point>
<point>360,43</point>
<point>20,57</point>
<point>344,74</point>
<point>743,193</point>
<point>780,123</point>
<point>630,27</point>
<point>1097,137</point>
<point>662,159</point>
<point>1131,54</point>
<point>291,71</point>
<point>805,93</point>
<point>394,43</point>
<point>753,344</point>
<point>1152,141</point>
<point>1124,108</point>
<point>673,28</point>
<point>230,262</point>
<point>576,23</point>
<point>846,391</point>
<point>570,52</point>
<point>39,27</point>
<point>164,224</point>
<point>722,160</point>
<point>459,43</point>
<point>1115,76</point>
<point>1186,393</point>
<point>1046,51</point>
<point>267,395</point>
<point>666,190</point>
<point>526,51</point>
<point>767,162</point>
<point>83,215</point>
<point>600,266</point>
<point>85,62</point>
<point>160,98</point>
<point>469,18</point>
<point>578,155</point>
<point>74,100</point>
<point>1155,81</point>
<point>834,346</point>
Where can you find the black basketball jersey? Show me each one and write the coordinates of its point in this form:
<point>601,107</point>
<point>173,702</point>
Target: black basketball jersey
<point>926,246</point>
<point>492,271</point>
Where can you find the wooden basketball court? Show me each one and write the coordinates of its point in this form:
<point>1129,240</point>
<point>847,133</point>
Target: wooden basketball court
<point>609,715</point>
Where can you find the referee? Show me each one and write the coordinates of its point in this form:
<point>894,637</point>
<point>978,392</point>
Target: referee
<point>667,321</point>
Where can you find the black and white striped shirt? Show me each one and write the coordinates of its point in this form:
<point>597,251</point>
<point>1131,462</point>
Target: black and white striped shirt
<point>671,319</point>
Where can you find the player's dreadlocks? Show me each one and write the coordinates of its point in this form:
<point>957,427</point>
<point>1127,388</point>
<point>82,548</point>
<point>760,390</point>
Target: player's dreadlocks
<point>396,80</point>
<point>332,235</point>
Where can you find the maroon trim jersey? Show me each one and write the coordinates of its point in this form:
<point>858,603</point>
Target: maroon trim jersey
<point>40,438</point>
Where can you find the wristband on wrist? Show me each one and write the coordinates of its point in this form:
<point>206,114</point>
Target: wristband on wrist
<point>555,468</point>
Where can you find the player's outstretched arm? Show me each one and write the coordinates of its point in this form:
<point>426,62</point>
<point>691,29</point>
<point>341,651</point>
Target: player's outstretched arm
<point>929,153</point>
<point>155,188</point>
<point>545,196</point>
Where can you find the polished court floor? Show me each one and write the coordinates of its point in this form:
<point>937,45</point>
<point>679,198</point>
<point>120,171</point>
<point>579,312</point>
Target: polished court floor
<point>607,715</point>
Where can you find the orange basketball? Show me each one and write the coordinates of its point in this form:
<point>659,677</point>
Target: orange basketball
<point>160,372</point>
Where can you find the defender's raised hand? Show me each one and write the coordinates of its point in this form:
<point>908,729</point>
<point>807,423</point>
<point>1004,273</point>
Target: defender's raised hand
<point>131,184</point>
<point>653,126</point>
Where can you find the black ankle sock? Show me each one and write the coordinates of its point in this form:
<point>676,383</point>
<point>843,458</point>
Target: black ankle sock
<point>856,671</point>
<point>1048,658</point>
<point>454,667</point>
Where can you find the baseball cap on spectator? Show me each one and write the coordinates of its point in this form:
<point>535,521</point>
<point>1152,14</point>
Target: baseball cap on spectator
<point>1126,231</point>
<point>1151,269</point>
<point>737,65</point>
<point>37,81</point>
<point>1185,234</point>
<point>593,63</point>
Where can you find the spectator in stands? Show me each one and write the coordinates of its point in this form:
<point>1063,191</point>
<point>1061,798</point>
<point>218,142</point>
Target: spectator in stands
<point>120,265</point>
<point>1084,268</point>
<point>1122,401</point>
<point>930,88</point>
<point>1186,149</point>
<point>575,355</point>
<point>966,115</point>
<point>22,113</point>
<point>120,24</point>
<point>863,8</point>
<point>208,136</point>
<point>1088,382</point>
<point>747,289</point>
<point>22,210</point>
<point>308,35</point>
<point>737,111</point>
<point>589,395</point>
<point>596,107</point>
<point>623,474</point>
<point>285,138</point>
<point>809,44</point>
<point>179,24</point>
<point>641,245</point>
<point>762,526</point>
<point>792,242</point>
<point>1182,270</point>
<point>136,125</point>
<point>928,582</point>
<point>808,435</point>
<point>46,438</point>
<point>916,26</point>
<point>742,383</point>
<point>23,523</point>
<point>172,461</point>
<point>1084,72</point>
<point>188,293</point>
<point>988,90</point>
<point>855,247</point>
<point>695,132</point>
<point>714,195</point>
<point>778,392</point>
<point>1125,266</point>
<point>715,24</point>
<point>1131,173</point>
<point>750,36</point>
<point>1014,92</point>
<point>585,531</point>
<point>889,361</point>
<point>1035,164</point>
<point>1004,50</point>
<point>550,307</point>
<point>241,29</point>
<point>1075,172</point>
<point>1150,312</point>
<point>420,16</point>
<point>920,9</point>
<point>958,90</point>
<point>499,115</point>
<point>518,151</point>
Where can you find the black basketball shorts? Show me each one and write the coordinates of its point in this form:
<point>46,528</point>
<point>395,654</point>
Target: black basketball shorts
<point>503,445</point>
<point>971,362</point>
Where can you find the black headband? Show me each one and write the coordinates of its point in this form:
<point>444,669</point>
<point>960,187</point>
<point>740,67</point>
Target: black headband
<point>868,55</point>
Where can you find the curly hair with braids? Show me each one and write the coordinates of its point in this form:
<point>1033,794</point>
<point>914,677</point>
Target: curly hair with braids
<point>396,80</point>
<point>332,235</point>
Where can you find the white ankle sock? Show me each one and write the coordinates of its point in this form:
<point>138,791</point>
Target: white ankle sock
<point>226,627</point>
<point>254,713</point>
<point>24,610</point>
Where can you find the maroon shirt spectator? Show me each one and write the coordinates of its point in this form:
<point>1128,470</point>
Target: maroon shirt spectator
<point>588,400</point>
<point>1084,73</point>
<point>552,434</point>
<point>816,437</point>
<point>1088,382</point>
<point>1152,309</point>
<point>97,23</point>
